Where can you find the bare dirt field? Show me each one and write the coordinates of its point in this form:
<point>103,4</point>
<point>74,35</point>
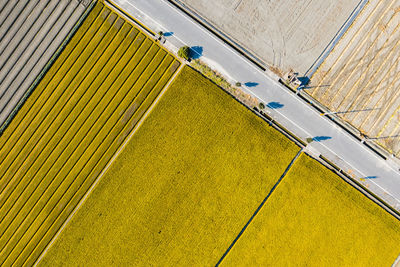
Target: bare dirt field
<point>360,77</point>
<point>285,34</point>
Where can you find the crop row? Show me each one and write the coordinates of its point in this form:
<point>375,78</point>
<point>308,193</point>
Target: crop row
<point>71,126</point>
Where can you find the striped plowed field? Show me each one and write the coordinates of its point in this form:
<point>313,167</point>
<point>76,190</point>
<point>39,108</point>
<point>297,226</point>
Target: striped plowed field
<point>70,127</point>
<point>30,33</point>
<point>360,77</point>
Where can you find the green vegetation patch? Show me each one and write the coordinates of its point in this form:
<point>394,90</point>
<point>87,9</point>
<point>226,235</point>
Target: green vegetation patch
<point>314,218</point>
<point>182,188</point>
<point>81,112</point>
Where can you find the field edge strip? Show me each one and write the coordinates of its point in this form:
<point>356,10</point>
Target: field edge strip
<point>259,208</point>
<point>97,180</point>
<point>335,40</point>
<point>125,14</point>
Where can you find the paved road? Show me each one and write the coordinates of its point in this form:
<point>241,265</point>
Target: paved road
<point>344,150</point>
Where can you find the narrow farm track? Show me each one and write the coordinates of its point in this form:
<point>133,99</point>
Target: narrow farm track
<point>30,33</point>
<point>70,127</point>
<point>359,78</point>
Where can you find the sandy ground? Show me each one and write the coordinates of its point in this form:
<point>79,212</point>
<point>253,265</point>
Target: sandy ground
<point>360,77</point>
<point>285,34</point>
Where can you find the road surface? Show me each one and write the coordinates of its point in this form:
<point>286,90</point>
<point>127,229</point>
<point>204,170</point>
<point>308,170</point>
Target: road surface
<point>380,176</point>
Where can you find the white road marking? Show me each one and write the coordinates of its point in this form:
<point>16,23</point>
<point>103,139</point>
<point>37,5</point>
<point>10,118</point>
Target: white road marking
<point>257,70</point>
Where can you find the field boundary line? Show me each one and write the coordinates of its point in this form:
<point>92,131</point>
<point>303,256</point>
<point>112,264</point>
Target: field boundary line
<point>265,116</point>
<point>125,14</point>
<point>56,146</point>
<point>52,194</point>
<point>32,105</point>
<point>44,222</point>
<point>46,68</point>
<point>141,27</point>
<point>351,61</point>
<point>259,207</point>
<point>345,48</point>
<point>356,185</point>
<point>98,178</point>
<point>45,129</point>
<point>336,38</point>
<point>29,136</point>
<point>314,105</point>
<point>220,35</point>
<point>137,126</point>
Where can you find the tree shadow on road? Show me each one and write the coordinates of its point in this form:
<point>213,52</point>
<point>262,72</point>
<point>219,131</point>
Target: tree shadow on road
<point>251,84</point>
<point>321,138</point>
<point>196,52</point>
<point>275,105</point>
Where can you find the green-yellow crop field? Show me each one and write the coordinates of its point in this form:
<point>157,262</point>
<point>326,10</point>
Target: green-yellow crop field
<point>314,218</point>
<point>187,181</point>
<point>182,188</point>
<point>70,127</point>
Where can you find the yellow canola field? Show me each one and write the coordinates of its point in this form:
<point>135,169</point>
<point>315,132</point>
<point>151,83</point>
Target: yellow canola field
<point>314,218</point>
<point>182,188</point>
<point>75,120</point>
